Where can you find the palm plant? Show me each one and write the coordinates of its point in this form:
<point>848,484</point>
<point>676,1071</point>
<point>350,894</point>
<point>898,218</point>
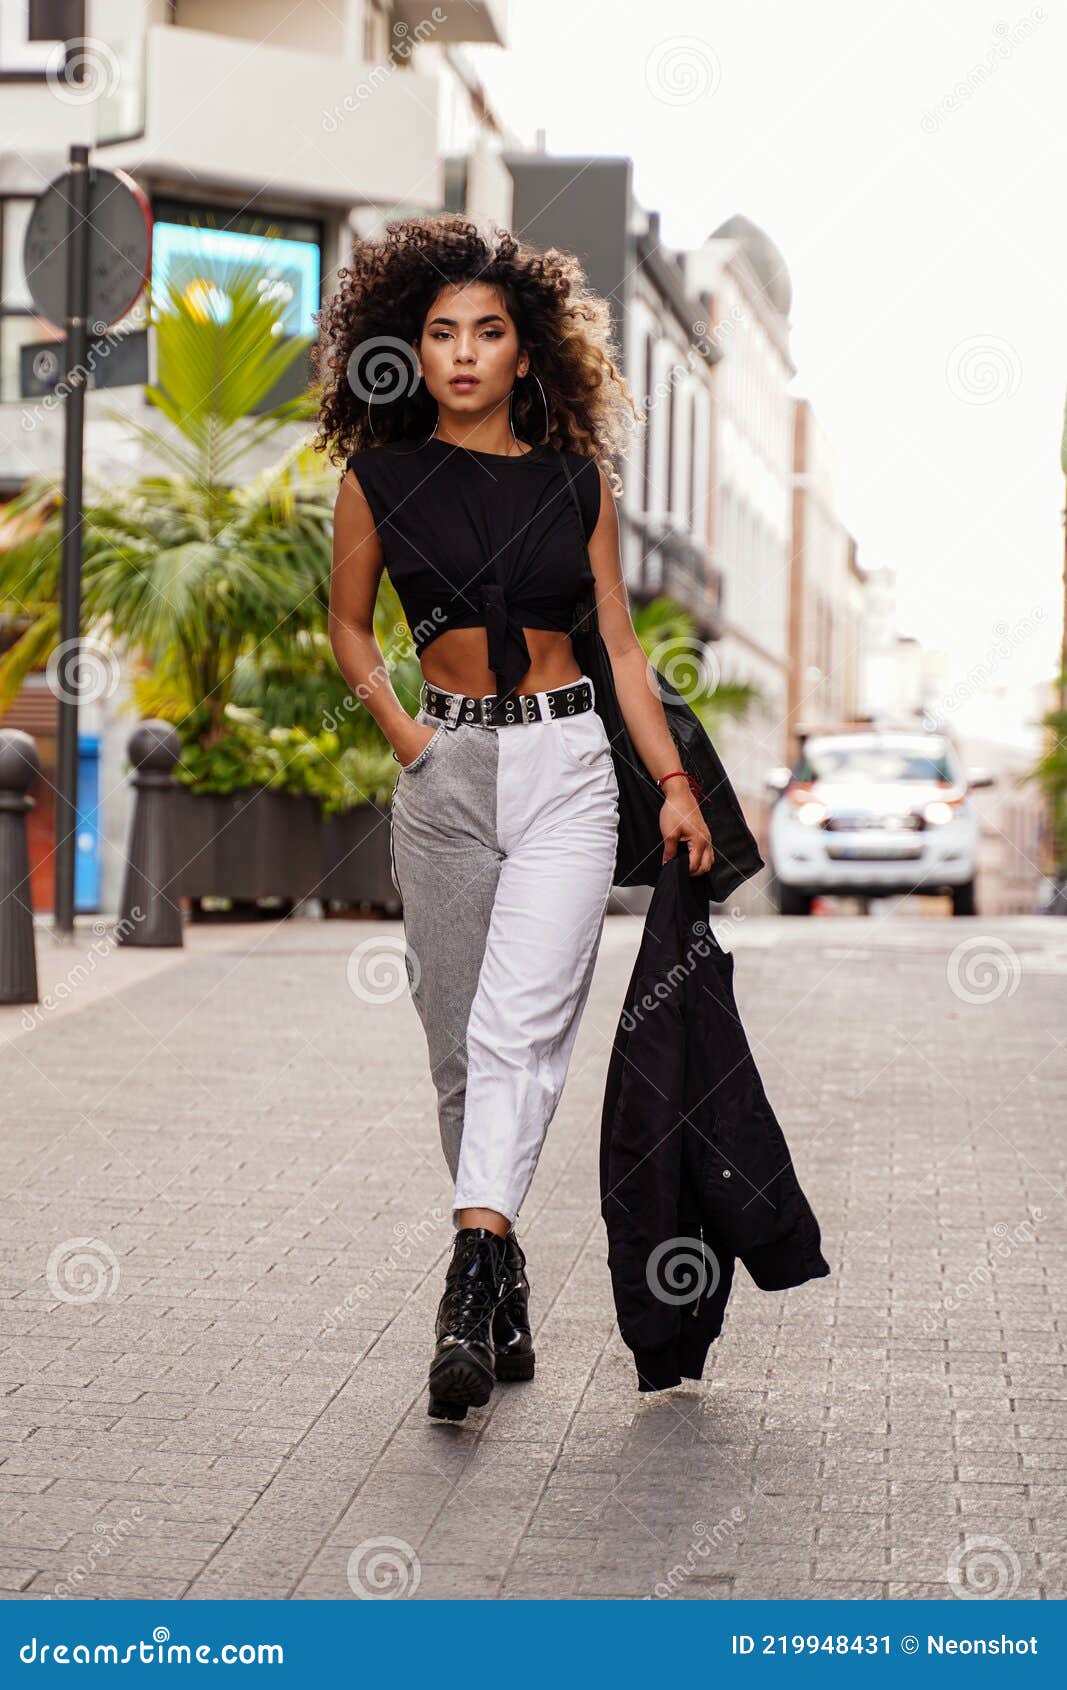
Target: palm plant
<point>667,632</point>
<point>186,568</point>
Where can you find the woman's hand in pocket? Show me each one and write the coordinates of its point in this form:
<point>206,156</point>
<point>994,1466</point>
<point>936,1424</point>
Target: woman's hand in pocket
<point>412,744</point>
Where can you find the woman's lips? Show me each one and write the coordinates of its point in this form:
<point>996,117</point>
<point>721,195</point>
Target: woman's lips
<point>464,381</point>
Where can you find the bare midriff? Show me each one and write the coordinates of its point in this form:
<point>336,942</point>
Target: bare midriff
<point>457,661</point>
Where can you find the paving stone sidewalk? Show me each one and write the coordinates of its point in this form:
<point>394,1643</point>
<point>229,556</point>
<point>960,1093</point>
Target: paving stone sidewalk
<point>225,1224</point>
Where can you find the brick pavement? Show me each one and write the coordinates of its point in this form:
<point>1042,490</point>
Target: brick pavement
<point>221,1391</point>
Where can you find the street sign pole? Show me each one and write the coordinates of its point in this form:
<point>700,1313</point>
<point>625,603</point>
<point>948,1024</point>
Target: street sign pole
<point>77,345</point>
<point>87,256</point>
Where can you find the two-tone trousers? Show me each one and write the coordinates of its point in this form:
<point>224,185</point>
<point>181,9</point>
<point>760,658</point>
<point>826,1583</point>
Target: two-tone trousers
<point>503,845</point>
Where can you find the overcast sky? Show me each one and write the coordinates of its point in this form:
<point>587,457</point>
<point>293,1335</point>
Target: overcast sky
<point>910,162</point>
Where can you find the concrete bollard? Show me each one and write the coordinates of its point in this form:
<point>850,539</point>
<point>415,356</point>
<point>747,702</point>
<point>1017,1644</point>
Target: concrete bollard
<point>154,749</point>
<point>20,768</point>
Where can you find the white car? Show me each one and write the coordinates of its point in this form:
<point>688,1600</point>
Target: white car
<point>871,815</point>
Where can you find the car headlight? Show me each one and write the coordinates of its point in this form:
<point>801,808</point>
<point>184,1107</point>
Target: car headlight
<point>941,810</point>
<point>810,812</point>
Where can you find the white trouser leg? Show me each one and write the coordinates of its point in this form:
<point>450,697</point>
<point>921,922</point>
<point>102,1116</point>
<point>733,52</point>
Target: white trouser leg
<point>557,823</point>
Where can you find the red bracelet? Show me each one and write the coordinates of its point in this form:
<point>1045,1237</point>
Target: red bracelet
<point>694,785</point>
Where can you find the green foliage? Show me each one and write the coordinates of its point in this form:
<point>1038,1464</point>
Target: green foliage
<point>667,632</point>
<point>1050,773</point>
<point>180,567</point>
<point>220,351</point>
<point>289,759</point>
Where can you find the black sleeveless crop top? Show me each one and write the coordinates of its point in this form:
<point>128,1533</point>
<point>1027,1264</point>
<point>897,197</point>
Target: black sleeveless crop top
<point>473,539</point>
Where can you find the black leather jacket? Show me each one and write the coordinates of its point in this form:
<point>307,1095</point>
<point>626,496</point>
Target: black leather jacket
<point>694,1168</point>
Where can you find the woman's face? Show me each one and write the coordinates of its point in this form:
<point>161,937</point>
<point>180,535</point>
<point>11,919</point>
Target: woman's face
<point>469,350</point>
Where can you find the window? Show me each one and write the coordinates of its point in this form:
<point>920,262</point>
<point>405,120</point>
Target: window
<point>30,29</point>
<point>646,467</point>
<point>673,433</point>
<point>376,31</point>
<point>689,507</point>
<point>455,183</point>
<point>875,760</point>
<point>20,327</point>
<point>187,236</point>
<point>195,245</point>
<point>56,20</point>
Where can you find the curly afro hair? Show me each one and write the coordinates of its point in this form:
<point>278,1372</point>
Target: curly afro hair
<point>363,357</point>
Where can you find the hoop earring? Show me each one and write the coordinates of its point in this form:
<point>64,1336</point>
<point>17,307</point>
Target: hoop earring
<point>433,431</point>
<point>422,443</point>
<point>511,409</point>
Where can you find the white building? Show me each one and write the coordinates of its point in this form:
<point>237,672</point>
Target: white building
<point>235,115</point>
<point>743,282</point>
<point>827,589</point>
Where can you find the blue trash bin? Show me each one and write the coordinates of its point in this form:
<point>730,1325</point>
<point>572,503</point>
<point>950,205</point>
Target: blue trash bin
<point>87,837</point>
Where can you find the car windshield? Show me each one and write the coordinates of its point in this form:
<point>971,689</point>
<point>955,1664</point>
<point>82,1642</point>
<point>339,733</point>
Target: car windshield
<point>881,760</point>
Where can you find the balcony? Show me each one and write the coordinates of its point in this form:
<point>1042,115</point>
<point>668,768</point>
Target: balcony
<point>672,563</point>
<point>483,21</point>
<point>218,110</point>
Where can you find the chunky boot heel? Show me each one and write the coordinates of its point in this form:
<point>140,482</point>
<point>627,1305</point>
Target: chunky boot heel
<point>512,1342</point>
<point>440,1409</point>
<point>511,1369</point>
<point>462,1372</point>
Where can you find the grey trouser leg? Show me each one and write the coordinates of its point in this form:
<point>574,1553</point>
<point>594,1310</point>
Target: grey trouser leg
<point>446,864</point>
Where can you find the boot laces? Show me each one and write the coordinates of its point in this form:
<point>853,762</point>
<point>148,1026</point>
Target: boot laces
<point>473,1292</point>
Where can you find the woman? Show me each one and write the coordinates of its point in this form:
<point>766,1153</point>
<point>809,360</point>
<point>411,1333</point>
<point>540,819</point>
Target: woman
<point>455,368</point>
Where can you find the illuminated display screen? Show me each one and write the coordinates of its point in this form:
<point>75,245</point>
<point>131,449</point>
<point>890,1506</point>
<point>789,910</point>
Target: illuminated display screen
<point>195,261</point>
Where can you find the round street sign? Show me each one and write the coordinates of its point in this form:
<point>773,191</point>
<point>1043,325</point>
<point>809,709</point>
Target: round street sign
<point>120,249</point>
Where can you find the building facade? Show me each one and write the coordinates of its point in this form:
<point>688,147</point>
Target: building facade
<point>742,281</point>
<point>306,124</point>
<point>274,129</point>
<point>826,591</point>
<point>586,205</point>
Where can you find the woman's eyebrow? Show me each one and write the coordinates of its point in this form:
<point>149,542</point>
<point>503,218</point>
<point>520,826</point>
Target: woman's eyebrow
<point>493,317</point>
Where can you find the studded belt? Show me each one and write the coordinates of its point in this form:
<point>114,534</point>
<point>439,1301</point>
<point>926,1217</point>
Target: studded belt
<point>495,712</point>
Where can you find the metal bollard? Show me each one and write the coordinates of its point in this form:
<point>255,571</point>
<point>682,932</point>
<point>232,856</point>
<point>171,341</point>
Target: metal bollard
<point>20,768</point>
<point>154,749</point>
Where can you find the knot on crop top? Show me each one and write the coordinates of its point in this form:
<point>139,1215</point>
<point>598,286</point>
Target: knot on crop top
<point>469,541</point>
<point>504,633</point>
<point>508,650</point>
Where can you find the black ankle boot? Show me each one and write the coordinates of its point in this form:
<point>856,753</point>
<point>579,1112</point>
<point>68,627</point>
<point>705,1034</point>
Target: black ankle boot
<point>462,1371</point>
<point>512,1343</point>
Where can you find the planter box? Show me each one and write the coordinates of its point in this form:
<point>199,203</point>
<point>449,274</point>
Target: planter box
<point>356,866</point>
<point>257,843</point>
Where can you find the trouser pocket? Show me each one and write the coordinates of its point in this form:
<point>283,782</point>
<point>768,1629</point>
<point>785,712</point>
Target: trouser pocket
<point>584,738</point>
<point>433,741</point>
